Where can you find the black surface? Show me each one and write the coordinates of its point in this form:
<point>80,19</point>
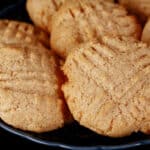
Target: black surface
<point>14,10</point>
<point>72,136</point>
<point>8,140</point>
<point>76,137</point>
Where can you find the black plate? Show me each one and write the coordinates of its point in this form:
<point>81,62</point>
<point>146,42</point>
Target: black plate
<point>75,137</point>
<point>72,136</point>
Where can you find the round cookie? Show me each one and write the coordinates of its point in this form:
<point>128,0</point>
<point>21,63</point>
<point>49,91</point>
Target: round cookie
<point>30,94</point>
<point>22,33</point>
<point>108,86</point>
<point>139,7</point>
<point>146,33</point>
<point>41,11</point>
<point>81,21</point>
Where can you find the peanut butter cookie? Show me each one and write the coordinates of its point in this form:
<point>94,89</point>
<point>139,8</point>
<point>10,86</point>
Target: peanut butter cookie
<point>30,95</point>
<point>108,87</point>
<point>81,21</point>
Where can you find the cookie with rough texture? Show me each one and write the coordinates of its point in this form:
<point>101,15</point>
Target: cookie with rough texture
<point>30,94</point>
<point>22,33</point>
<point>146,33</point>
<point>108,87</point>
<point>139,7</point>
<point>82,21</point>
<point>41,11</point>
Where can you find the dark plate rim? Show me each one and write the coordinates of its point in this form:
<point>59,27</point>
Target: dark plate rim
<point>38,140</point>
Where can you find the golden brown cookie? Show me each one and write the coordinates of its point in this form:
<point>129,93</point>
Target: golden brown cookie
<point>146,33</point>
<point>30,96</point>
<point>139,7</point>
<point>82,21</point>
<point>41,11</point>
<point>22,33</point>
<point>108,87</point>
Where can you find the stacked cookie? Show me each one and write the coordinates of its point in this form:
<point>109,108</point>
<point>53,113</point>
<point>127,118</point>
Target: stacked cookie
<point>107,67</point>
<point>104,79</point>
<point>82,21</point>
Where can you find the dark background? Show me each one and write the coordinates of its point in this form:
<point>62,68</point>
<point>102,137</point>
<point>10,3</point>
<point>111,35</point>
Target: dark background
<point>9,10</point>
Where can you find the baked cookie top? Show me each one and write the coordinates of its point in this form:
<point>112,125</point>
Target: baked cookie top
<point>108,87</point>
<point>82,21</point>
<point>30,95</point>
<point>41,11</point>
<point>16,32</point>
